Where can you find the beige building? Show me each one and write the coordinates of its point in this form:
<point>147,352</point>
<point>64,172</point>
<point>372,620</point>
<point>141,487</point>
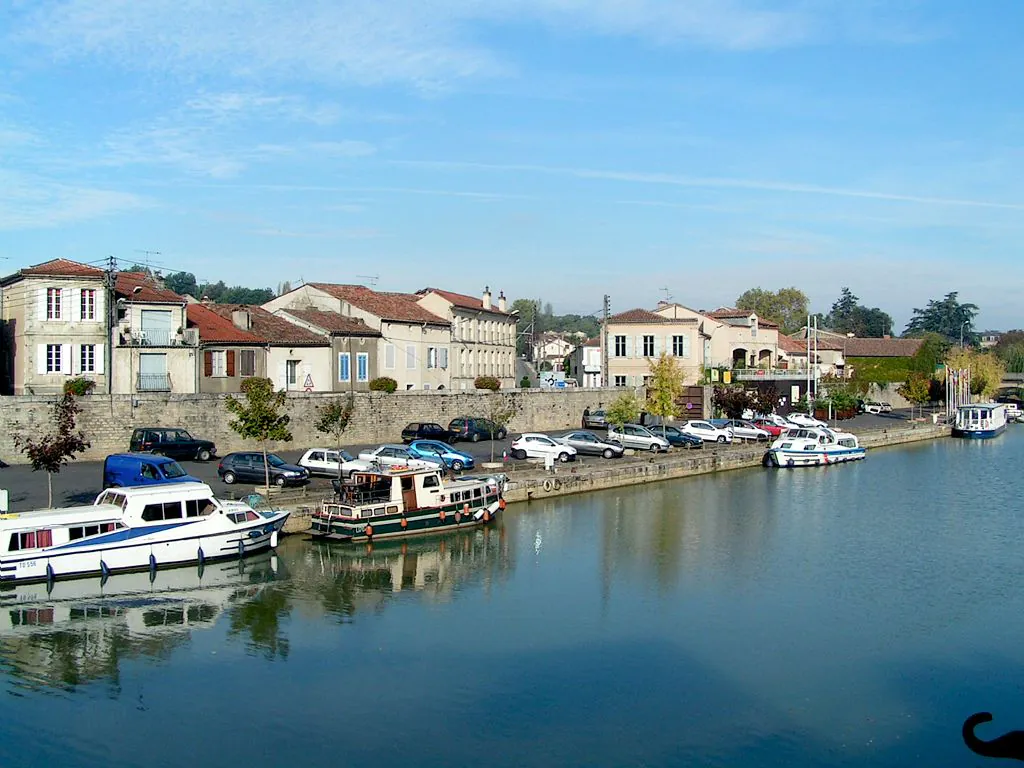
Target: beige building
<point>229,353</point>
<point>585,364</point>
<point>55,326</point>
<point>414,343</point>
<point>483,335</point>
<point>353,343</point>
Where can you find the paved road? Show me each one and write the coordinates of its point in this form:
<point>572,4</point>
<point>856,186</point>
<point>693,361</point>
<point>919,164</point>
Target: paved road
<point>80,482</point>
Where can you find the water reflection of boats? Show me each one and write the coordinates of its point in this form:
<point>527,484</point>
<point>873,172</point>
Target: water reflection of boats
<point>79,630</point>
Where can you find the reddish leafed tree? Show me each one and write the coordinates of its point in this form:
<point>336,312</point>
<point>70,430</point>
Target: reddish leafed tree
<point>51,452</point>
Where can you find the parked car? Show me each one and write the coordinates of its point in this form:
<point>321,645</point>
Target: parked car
<point>325,462</point>
<point>595,419</point>
<point>173,442</point>
<point>397,456</point>
<point>780,421</point>
<point>870,406</point>
<point>532,445</point>
<point>773,429</point>
<point>744,430</point>
<point>677,437</point>
<point>707,431</point>
<point>126,470</point>
<point>453,458</point>
<point>640,438</point>
<point>589,444</point>
<point>804,420</point>
<point>886,407</point>
<point>247,467</point>
<point>474,429</point>
<point>424,430</point>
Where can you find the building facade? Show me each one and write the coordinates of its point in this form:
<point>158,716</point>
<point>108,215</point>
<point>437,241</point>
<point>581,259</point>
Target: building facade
<point>353,343</point>
<point>638,336</point>
<point>585,364</point>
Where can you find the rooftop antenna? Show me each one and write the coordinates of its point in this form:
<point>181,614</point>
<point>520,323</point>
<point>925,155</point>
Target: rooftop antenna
<point>147,254</point>
<point>668,296</point>
<point>371,278</point>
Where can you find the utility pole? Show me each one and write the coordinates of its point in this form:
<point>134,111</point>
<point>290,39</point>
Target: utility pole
<point>109,283</point>
<point>605,311</point>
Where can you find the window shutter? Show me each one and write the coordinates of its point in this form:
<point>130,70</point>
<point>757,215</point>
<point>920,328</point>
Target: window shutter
<point>389,356</point>
<point>41,352</point>
<point>444,357</point>
<point>101,305</point>
<point>686,345</point>
<point>638,346</point>
<point>208,363</point>
<point>65,359</point>
<point>42,308</point>
<point>629,345</point>
<point>76,359</point>
<point>231,362</point>
<point>99,357</point>
<point>658,346</point>
<point>65,303</point>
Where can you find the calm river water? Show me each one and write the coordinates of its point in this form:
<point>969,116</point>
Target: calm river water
<point>850,615</point>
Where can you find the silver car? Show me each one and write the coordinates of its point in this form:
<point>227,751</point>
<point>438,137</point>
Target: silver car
<point>589,444</point>
<point>635,436</point>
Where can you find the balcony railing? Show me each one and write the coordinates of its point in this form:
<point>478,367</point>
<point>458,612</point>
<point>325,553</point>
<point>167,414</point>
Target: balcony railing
<point>768,374</point>
<point>189,337</point>
<point>154,382</point>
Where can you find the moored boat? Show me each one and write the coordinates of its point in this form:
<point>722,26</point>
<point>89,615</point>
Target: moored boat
<point>402,501</point>
<point>979,420</point>
<point>128,529</point>
<point>813,447</point>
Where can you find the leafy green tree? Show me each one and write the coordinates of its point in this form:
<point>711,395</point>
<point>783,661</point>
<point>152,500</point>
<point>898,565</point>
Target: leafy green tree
<point>259,417</point>
<point>848,315</point>
<point>787,307</point>
<point>625,409</point>
<point>946,317</point>
<point>333,418</point>
<point>916,389</point>
<point>1010,349</point>
<point>182,283</point>
<point>987,369</point>
<point>52,451</point>
<point>665,387</point>
<point>930,355</point>
<point>500,411</point>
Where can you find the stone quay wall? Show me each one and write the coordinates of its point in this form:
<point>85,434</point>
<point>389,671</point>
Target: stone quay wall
<point>108,420</point>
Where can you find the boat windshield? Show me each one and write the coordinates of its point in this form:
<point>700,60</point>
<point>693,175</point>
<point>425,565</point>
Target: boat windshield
<point>112,497</point>
<point>173,469</point>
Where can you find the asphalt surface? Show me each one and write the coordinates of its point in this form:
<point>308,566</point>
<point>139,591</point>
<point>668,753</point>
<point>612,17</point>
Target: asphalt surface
<point>80,482</point>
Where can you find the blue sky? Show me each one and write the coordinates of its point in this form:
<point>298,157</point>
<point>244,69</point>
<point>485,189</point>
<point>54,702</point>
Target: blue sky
<point>554,148</point>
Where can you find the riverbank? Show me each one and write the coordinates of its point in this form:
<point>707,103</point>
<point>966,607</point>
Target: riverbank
<point>532,482</point>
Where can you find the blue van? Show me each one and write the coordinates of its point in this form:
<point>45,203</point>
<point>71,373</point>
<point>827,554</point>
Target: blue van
<point>124,470</point>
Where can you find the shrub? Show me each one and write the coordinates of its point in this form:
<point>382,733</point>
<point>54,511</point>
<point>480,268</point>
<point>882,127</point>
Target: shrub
<point>383,384</point>
<point>525,383</point>
<point>79,386</point>
<point>487,382</point>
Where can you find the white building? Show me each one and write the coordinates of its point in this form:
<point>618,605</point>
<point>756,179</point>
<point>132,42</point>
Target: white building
<point>585,363</point>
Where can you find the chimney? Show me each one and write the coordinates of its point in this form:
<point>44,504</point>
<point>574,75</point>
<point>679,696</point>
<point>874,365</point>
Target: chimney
<point>887,336</point>
<point>241,319</point>
<point>501,302</point>
<point>487,297</point>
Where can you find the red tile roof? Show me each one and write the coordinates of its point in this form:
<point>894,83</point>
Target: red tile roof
<point>638,316</point>
<point>61,268</point>
<point>792,346</point>
<point>151,290</point>
<point>594,342</point>
<point>464,301</point>
<point>398,307</point>
<point>270,329</point>
<point>333,323</point>
<point>863,347</point>
<point>735,314</point>
<point>214,329</point>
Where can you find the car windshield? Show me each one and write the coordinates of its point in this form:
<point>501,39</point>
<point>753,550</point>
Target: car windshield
<point>275,461</point>
<point>172,469</point>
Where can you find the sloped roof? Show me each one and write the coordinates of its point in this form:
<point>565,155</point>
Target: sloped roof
<point>270,329</point>
<point>737,314</point>
<point>862,347</point>
<point>57,268</point>
<point>792,346</point>
<point>214,329</point>
<point>151,290</point>
<point>594,342</point>
<point>462,300</point>
<point>333,323</point>
<point>638,316</point>
<point>396,307</point>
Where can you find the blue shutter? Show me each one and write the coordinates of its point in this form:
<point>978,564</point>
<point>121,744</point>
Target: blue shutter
<point>343,365</point>
<point>362,363</point>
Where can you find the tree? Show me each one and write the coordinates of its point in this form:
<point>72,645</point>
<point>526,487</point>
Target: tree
<point>930,355</point>
<point>665,387</point>
<point>732,401</point>
<point>283,288</point>
<point>545,366</point>
<point>848,315</point>
<point>259,417</point>
<point>787,307</point>
<point>333,418</point>
<point>524,383</point>
<point>625,409</point>
<point>946,317</point>
<point>916,389</point>
<point>765,400</point>
<point>987,369</point>
<point>499,412</point>
<point>1010,349</point>
<point>182,283</point>
<point>843,309</point>
<point>51,452</point>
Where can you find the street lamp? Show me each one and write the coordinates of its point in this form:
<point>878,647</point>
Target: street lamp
<point>965,322</point>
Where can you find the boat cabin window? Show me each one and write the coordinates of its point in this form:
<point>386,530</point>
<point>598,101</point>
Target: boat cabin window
<point>30,540</point>
<point>477,493</point>
<point>378,511</point>
<point>242,517</point>
<point>456,496</point>
<point>392,510</point>
<point>199,507</point>
<point>112,497</point>
<point>406,483</point>
<point>168,510</point>
<point>82,531</point>
<point>366,513</point>
<point>431,481</point>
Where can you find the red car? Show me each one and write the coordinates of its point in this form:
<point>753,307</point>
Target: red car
<point>772,429</point>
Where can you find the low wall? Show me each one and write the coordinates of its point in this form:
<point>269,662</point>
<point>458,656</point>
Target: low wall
<point>108,420</point>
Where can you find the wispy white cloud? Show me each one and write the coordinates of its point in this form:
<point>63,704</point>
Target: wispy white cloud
<point>32,202</point>
<point>362,233</point>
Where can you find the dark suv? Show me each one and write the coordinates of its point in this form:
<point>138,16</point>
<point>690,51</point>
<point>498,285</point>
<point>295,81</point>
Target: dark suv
<point>247,466</point>
<point>422,430</point>
<point>467,428</point>
<point>173,442</point>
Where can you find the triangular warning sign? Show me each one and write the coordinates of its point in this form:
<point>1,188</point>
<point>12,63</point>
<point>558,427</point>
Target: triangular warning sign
<point>309,381</point>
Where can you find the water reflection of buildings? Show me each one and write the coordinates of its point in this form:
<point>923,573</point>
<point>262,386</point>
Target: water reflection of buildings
<point>347,579</point>
<point>81,630</point>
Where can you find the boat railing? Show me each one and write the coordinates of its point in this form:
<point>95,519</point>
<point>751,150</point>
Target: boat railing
<point>359,495</point>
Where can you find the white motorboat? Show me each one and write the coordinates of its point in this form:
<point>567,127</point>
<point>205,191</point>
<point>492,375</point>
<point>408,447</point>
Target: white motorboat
<point>813,447</point>
<point>129,529</point>
<point>980,420</point>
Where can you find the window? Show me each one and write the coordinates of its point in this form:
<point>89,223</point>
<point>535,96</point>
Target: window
<point>620,346</point>
<point>681,346</point>
<point>53,303</point>
<point>220,363</point>
<point>148,471</point>
<point>431,357</point>
<point>442,357</point>
<point>248,361</point>
<point>344,370</point>
<point>389,357</point>
<point>648,346</point>
<point>88,308</point>
<point>53,360</point>
<point>88,358</point>
<point>30,540</point>
<point>620,381</point>
<point>170,510</point>
<point>410,357</point>
<point>292,372</point>
<point>362,366</point>
<point>198,507</point>
<point>431,481</point>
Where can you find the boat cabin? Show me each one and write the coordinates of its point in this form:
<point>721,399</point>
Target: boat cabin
<point>981,417</point>
<point>375,493</point>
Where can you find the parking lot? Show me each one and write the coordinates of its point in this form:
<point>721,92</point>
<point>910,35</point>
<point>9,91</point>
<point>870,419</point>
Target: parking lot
<point>80,482</point>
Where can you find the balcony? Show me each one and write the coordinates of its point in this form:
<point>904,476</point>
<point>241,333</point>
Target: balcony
<point>769,374</point>
<point>127,337</point>
<point>153,382</point>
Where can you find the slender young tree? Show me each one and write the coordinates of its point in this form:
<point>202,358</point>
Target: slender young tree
<point>665,388</point>
<point>51,452</point>
<point>259,417</point>
<point>333,418</point>
<point>499,413</point>
<point>625,409</point>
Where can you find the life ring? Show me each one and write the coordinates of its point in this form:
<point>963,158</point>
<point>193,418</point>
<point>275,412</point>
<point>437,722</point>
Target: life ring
<point>501,504</point>
<point>405,523</point>
<point>548,486</point>
<point>368,530</point>
<point>487,516</point>
<point>442,515</point>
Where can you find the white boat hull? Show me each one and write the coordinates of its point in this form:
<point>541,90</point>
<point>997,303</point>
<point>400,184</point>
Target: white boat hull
<point>779,457</point>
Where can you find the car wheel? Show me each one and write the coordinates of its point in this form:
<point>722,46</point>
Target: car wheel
<point>204,454</point>
<point>229,478</point>
<point>653,448</point>
<point>519,454</point>
<point>456,466</point>
<point>279,481</point>
<point>608,453</point>
<point>502,434</point>
<point>475,438</point>
<point>721,438</point>
<point>563,457</point>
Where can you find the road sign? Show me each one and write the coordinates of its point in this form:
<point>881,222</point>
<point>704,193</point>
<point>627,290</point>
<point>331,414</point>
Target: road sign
<point>689,406</point>
<point>308,383</point>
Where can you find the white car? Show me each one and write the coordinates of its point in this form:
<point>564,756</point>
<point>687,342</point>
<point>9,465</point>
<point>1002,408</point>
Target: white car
<point>635,436</point>
<point>707,431</point>
<point>778,421</point>
<point>397,456</point>
<point>325,462</point>
<point>533,445</point>
<point>744,430</point>
<point>804,420</point>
